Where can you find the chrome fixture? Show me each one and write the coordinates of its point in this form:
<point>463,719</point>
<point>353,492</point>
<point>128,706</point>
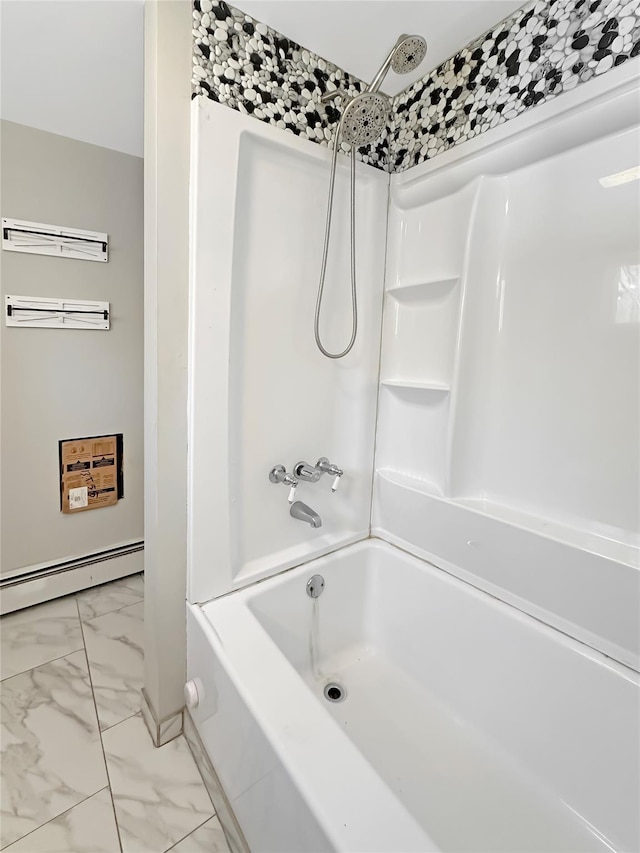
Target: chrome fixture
<point>312,473</point>
<point>315,586</point>
<point>334,692</point>
<point>303,512</point>
<point>325,467</point>
<point>405,56</point>
<point>278,474</point>
<point>362,122</point>
<point>306,472</point>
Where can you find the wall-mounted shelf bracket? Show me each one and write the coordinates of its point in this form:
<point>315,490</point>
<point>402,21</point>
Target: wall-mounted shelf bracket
<point>38,238</point>
<point>39,312</point>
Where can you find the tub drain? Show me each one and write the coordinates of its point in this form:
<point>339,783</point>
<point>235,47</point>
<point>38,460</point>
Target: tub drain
<point>334,692</point>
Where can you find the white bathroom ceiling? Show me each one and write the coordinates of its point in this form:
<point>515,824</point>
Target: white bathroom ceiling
<point>357,34</point>
<point>75,67</point>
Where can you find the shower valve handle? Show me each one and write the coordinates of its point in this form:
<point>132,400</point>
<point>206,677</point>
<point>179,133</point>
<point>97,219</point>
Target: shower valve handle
<point>325,467</point>
<point>278,474</point>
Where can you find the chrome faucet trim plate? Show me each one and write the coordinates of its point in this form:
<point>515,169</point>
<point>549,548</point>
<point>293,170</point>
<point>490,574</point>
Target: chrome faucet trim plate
<point>309,473</point>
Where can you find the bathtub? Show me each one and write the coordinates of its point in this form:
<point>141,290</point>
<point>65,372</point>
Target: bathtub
<point>465,724</point>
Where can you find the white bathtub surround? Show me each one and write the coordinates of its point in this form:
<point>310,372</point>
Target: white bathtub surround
<point>90,825</point>
<point>509,380</point>
<point>456,704</point>
<point>51,753</point>
<point>38,634</point>
<point>261,394</point>
<point>157,792</point>
<point>114,645</point>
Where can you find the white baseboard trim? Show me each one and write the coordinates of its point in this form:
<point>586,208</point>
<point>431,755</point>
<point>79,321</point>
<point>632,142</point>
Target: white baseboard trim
<point>33,586</point>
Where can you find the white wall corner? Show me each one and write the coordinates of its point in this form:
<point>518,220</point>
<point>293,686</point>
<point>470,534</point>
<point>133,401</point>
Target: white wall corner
<point>166,149</point>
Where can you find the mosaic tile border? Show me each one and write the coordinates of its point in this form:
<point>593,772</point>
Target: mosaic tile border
<point>246,65</point>
<point>544,49</point>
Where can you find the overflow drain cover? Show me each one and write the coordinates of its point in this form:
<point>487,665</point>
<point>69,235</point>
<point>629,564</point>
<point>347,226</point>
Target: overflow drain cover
<point>334,692</point>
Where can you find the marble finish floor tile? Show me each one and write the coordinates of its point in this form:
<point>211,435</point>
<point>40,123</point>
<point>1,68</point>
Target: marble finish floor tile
<point>109,597</point>
<point>38,634</point>
<point>114,644</point>
<point>89,827</point>
<point>158,794</point>
<point>50,745</point>
<point>135,582</point>
<point>208,838</point>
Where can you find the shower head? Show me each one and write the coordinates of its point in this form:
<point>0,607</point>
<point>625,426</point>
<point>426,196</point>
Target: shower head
<point>364,118</point>
<point>408,54</point>
<point>405,56</point>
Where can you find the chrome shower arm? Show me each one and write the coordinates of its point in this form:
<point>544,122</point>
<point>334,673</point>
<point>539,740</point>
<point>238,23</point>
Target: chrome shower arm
<point>330,96</point>
<point>384,68</point>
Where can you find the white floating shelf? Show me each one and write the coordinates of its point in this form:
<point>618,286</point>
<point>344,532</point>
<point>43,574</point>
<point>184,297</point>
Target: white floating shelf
<point>416,385</point>
<point>40,312</point>
<point>38,238</point>
<point>423,290</point>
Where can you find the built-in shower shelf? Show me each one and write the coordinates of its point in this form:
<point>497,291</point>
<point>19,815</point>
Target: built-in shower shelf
<point>417,385</point>
<point>418,484</point>
<point>424,290</point>
<point>613,544</point>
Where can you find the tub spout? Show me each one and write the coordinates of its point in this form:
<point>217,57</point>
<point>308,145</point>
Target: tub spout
<point>303,512</point>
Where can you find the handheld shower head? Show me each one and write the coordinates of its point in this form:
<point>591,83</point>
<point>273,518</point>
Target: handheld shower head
<point>408,54</point>
<point>364,118</point>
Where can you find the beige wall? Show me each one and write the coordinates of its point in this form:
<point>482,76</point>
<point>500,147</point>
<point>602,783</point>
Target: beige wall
<point>61,384</point>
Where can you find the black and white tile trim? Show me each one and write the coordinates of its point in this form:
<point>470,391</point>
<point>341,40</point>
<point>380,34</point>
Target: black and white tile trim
<point>250,67</point>
<point>542,50</point>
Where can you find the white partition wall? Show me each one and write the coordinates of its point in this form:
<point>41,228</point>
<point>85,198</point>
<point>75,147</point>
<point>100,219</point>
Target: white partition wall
<point>509,404</point>
<point>261,393</point>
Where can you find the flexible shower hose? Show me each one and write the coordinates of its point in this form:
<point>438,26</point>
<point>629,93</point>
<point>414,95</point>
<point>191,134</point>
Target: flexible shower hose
<point>325,253</point>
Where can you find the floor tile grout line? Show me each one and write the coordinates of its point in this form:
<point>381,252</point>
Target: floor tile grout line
<point>124,720</point>
<point>199,826</point>
<point>46,662</point>
<point>104,755</point>
<point>115,814</point>
<point>107,612</point>
<point>51,820</point>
